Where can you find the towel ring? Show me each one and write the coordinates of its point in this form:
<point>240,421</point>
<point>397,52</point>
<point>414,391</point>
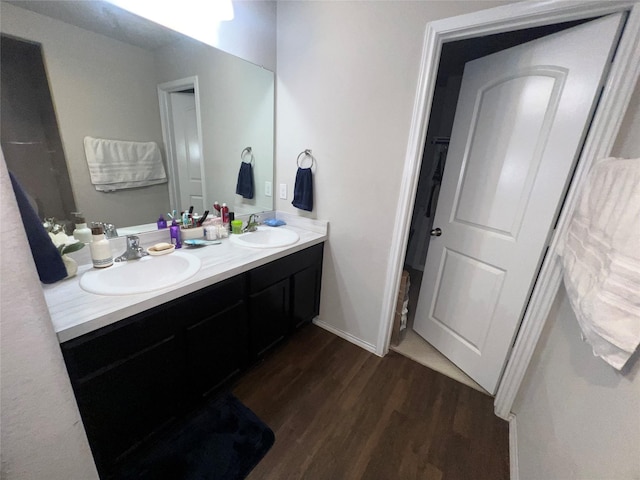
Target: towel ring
<point>247,151</point>
<point>306,153</point>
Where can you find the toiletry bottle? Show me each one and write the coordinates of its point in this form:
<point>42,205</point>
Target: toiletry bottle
<point>231,216</point>
<point>162,223</point>
<point>81,233</point>
<point>216,209</point>
<point>175,234</point>
<point>225,213</point>
<point>100,249</point>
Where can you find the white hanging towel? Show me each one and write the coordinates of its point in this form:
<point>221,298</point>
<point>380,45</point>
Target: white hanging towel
<point>116,164</point>
<point>601,259</point>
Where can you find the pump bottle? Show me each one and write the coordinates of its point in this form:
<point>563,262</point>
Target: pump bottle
<point>81,233</point>
<point>100,249</point>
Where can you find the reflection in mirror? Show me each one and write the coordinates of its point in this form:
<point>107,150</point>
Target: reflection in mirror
<point>116,84</point>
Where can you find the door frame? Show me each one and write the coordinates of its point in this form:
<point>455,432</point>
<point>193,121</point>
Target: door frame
<point>164,97</point>
<point>618,88</point>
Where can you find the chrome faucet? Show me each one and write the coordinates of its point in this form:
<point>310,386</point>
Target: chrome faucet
<point>134,250</point>
<point>252,223</point>
<point>109,229</point>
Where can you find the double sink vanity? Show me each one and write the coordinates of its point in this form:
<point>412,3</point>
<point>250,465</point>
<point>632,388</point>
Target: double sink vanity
<point>147,340</point>
<point>139,362</point>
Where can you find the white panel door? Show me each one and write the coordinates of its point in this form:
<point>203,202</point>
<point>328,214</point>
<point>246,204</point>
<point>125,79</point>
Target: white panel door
<point>521,118</point>
<point>188,155</point>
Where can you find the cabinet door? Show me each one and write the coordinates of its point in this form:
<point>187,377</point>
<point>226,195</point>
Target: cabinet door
<point>270,317</point>
<point>129,400</point>
<point>217,349</point>
<point>306,295</point>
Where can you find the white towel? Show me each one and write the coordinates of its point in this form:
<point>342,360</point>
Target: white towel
<point>601,259</point>
<point>116,164</point>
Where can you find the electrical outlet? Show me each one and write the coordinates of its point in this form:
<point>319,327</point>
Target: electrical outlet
<point>283,191</point>
<point>267,189</point>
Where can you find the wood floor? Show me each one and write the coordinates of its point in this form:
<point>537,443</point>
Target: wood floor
<point>339,412</point>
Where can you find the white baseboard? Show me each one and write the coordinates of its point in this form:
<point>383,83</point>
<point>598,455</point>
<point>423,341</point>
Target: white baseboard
<point>347,336</point>
<point>514,472</point>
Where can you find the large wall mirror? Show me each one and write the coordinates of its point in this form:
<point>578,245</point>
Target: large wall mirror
<point>113,75</point>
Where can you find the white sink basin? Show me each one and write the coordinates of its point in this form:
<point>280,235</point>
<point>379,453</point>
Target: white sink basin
<point>141,276</point>
<point>266,237</point>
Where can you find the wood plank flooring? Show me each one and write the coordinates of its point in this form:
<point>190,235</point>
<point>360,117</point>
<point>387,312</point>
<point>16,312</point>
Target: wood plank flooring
<point>339,412</point>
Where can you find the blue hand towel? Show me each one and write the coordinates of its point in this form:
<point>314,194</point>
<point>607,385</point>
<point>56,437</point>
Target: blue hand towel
<point>303,190</point>
<point>245,180</point>
<point>48,261</point>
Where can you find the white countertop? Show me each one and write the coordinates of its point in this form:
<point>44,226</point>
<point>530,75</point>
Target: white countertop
<point>75,312</point>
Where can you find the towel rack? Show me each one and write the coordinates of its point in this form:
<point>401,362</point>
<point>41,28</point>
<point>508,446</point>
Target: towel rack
<point>247,151</point>
<point>306,153</point>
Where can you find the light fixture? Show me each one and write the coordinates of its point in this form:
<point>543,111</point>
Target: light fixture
<point>198,19</point>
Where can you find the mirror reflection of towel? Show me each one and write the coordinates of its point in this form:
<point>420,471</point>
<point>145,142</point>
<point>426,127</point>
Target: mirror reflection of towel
<point>116,164</point>
<point>245,180</point>
<point>45,254</point>
<point>303,190</point>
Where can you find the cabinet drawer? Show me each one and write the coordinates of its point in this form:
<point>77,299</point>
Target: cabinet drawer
<point>210,300</point>
<point>262,277</point>
<point>91,352</point>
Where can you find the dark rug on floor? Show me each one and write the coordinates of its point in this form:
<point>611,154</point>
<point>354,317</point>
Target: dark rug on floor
<point>224,441</point>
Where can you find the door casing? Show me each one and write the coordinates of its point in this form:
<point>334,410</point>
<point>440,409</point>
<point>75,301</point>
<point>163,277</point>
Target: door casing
<point>617,91</point>
<point>164,91</point>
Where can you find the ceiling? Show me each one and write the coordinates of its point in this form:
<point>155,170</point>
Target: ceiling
<point>103,18</point>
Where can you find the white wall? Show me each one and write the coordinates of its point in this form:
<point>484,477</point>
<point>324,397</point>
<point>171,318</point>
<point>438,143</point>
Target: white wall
<point>237,111</point>
<point>577,417</point>
<point>347,77</point>
<point>252,32</point>
<point>42,436</point>
<point>102,88</point>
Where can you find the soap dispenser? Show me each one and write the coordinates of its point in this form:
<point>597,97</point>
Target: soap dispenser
<point>100,248</point>
<point>82,233</point>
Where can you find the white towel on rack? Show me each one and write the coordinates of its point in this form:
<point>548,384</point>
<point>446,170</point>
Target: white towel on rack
<point>116,164</point>
<point>601,259</point>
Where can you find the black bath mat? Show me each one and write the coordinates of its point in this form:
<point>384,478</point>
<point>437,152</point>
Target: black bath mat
<point>224,441</point>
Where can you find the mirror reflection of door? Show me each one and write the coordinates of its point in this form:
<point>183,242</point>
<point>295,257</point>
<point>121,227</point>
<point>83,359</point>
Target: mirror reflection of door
<point>29,135</point>
<point>188,157</point>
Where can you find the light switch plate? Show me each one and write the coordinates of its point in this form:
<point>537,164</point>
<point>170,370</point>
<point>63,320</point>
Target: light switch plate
<point>283,191</point>
<point>267,189</point>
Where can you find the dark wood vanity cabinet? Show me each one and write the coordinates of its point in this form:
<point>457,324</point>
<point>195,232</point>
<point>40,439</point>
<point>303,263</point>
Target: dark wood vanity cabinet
<point>135,377</point>
<point>288,289</point>
<point>127,401</point>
